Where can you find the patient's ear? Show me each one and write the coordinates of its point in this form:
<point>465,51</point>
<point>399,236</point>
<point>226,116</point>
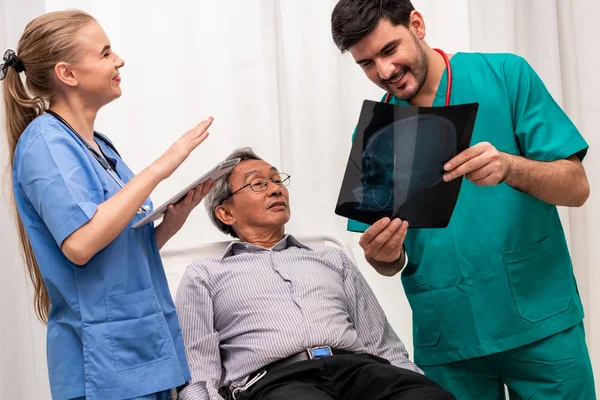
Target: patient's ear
<point>224,215</point>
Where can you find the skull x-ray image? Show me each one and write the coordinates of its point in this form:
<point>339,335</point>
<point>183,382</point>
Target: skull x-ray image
<point>396,163</point>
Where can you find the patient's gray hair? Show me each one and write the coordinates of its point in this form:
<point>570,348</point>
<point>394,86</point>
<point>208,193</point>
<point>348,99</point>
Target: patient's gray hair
<point>222,190</point>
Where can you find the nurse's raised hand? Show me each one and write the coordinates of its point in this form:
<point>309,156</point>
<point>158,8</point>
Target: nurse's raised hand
<point>114,214</point>
<point>383,244</point>
<point>181,149</point>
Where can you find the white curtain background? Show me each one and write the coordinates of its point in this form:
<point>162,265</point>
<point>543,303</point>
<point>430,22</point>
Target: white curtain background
<point>268,71</point>
<point>23,372</point>
<point>558,38</point>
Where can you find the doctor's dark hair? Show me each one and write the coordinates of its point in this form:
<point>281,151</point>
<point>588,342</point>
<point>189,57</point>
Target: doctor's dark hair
<point>222,190</point>
<point>46,41</point>
<point>353,20</point>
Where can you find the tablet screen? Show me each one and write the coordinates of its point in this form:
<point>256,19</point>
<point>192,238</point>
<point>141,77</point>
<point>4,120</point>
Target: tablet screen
<point>215,173</point>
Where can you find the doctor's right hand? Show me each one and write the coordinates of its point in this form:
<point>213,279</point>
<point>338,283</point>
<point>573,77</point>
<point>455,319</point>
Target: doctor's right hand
<point>383,244</point>
<point>166,164</point>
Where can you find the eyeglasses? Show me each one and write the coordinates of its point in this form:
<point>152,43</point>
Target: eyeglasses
<point>262,184</point>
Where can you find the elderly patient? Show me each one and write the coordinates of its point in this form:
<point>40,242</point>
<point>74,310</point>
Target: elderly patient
<point>273,318</point>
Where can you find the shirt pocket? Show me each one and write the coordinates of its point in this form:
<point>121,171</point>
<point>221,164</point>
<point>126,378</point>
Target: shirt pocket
<point>137,328</point>
<point>541,278</point>
<point>426,325</point>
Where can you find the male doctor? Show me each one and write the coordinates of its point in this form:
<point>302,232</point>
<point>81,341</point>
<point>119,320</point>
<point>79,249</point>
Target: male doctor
<point>493,295</point>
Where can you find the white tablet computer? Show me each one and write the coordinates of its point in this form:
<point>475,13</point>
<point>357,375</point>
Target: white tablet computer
<point>215,173</point>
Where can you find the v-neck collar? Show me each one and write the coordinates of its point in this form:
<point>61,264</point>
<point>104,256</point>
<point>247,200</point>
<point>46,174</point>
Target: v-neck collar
<point>440,94</point>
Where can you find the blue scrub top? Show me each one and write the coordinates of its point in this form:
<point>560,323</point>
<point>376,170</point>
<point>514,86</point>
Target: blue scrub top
<point>499,276</point>
<point>112,331</point>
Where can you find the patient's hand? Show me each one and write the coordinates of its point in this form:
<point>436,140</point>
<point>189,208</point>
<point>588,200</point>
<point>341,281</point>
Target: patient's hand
<point>383,245</point>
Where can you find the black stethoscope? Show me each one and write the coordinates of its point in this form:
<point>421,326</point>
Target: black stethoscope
<point>388,96</point>
<point>99,157</point>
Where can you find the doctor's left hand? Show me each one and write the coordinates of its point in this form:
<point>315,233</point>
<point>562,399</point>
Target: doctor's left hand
<point>178,213</point>
<point>482,164</point>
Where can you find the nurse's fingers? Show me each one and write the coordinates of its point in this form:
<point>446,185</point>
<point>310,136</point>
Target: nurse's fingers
<point>199,133</point>
<point>199,130</point>
<point>197,197</point>
<point>201,191</point>
<point>197,140</point>
<point>208,185</point>
<point>187,200</point>
<point>203,125</point>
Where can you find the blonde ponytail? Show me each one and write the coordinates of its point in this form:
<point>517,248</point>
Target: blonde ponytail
<point>46,41</point>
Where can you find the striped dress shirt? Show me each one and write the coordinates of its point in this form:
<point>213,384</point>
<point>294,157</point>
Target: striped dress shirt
<point>253,306</point>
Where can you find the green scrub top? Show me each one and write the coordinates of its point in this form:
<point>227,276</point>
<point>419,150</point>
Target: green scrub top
<point>500,275</point>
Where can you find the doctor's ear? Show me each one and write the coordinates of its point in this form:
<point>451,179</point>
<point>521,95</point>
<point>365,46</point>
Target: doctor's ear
<point>416,24</point>
<point>65,74</point>
<point>224,215</point>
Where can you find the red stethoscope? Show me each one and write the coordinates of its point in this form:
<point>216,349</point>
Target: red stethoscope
<point>388,96</point>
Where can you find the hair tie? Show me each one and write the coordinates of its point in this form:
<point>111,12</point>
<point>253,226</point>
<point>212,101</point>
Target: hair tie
<point>11,60</point>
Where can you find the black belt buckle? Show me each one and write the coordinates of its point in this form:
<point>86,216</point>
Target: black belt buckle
<point>318,352</point>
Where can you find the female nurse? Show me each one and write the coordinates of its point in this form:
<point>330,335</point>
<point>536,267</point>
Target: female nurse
<point>99,284</point>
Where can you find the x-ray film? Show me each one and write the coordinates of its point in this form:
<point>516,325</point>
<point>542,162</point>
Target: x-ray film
<point>396,163</point>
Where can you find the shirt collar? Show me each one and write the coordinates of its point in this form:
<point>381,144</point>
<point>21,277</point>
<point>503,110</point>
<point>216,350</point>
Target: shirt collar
<point>238,247</point>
